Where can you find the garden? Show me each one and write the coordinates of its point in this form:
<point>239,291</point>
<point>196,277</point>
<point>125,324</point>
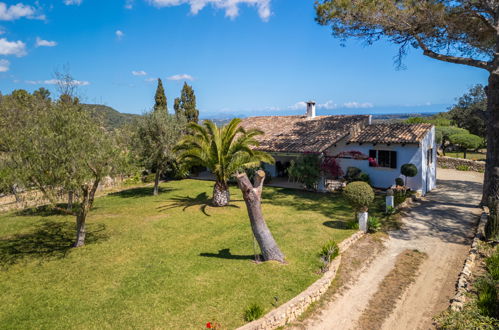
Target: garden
<point>170,260</point>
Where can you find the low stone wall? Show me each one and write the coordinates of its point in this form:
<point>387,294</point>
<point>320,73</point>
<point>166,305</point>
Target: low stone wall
<point>459,163</point>
<point>291,310</point>
<point>457,302</point>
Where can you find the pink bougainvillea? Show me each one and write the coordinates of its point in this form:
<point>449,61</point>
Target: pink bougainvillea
<point>372,162</point>
<point>330,165</point>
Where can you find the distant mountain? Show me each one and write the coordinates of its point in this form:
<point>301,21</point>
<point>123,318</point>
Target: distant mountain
<point>110,117</point>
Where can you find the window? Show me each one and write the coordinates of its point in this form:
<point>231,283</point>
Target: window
<point>429,156</point>
<point>384,158</point>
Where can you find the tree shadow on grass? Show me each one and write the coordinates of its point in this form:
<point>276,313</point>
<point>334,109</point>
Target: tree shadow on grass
<point>140,192</point>
<point>44,210</point>
<point>202,200</point>
<point>50,240</point>
<point>335,224</point>
<point>225,254</point>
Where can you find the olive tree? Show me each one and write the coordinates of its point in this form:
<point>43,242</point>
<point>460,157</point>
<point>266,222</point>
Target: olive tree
<point>466,141</point>
<point>454,31</point>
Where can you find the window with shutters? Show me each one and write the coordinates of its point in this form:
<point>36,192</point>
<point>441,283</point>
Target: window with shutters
<point>384,158</point>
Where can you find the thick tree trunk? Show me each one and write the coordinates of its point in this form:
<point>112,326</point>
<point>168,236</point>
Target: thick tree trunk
<point>156,183</point>
<point>221,194</point>
<point>491,180</point>
<point>464,153</point>
<point>252,197</point>
<point>85,207</point>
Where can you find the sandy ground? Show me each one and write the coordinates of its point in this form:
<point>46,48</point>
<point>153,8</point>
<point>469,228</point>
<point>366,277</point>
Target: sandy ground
<point>442,225</point>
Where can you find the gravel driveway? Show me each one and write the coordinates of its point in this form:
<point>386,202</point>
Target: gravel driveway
<point>442,225</point>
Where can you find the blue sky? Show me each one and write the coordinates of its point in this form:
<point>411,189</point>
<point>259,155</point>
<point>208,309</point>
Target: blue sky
<point>243,57</point>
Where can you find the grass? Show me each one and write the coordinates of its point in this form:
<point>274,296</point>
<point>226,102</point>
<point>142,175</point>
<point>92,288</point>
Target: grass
<point>169,261</point>
<point>469,155</point>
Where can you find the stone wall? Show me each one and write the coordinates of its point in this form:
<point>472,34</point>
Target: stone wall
<point>459,298</point>
<point>455,163</point>
<point>291,310</point>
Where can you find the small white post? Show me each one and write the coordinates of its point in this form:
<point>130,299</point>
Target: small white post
<point>362,216</point>
<point>321,185</point>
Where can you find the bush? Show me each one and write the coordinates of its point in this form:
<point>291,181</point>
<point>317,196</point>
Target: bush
<point>399,182</point>
<point>462,167</point>
<point>469,318</point>
<point>253,312</point>
<point>355,174</point>
<point>328,252</point>
<point>353,224</point>
<point>492,264</point>
<point>148,178</point>
<point>400,195</point>
<point>487,300</point>
<point>306,170</point>
<point>409,170</point>
<point>359,195</point>
<point>373,224</point>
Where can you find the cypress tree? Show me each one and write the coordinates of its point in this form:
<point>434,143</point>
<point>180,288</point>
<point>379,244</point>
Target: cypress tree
<point>160,98</point>
<point>186,105</point>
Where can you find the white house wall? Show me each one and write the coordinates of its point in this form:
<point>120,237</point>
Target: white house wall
<point>382,177</point>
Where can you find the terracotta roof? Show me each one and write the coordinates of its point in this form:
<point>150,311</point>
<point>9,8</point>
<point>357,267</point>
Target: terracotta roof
<point>301,134</point>
<point>391,133</point>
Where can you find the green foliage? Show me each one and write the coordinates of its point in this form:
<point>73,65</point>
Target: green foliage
<point>223,151</point>
<point>443,134</point>
<point>373,224</point>
<point>409,170</point>
<point>492,264</point>
<point>463,168</point>
<point>253,312</point>
<point>390,210</point>
<point>487,299</point>
<point>353,224</point>
<point>436,120</point>
<point>355,174</point>
<point>400,195</point>
<point>469,111</point>
<point>160,103</point>
<point>109,117</point>
<point>469,318</point>
<point>328,252</point>
<point>466,141</point>
<point>399,182</point>
<point>186,104</point>
<point>157,134</point>
<point>306,170</point>
<point>359,194</point>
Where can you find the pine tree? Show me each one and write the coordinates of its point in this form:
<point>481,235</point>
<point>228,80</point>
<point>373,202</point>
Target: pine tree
<point>160,98</point>
<point>186,104</point>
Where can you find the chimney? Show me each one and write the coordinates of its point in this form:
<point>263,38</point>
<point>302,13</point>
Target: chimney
<point>310,109</point>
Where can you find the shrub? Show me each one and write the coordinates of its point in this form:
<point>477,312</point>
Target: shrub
<point>353,224</point>
<point>355,174</point>
<point>408,170</point>
<point>469,318</point>
<point>399,182</point>
<point>359,195</point>
<point>373,224</point>
<point>328,252</point>
<point>306,170</point>
<point>253,312</point>
<point>390,210</point>
<point>492,264</point>
<point>462,167</point>
<point>400,195</point>
<point>487,300</point>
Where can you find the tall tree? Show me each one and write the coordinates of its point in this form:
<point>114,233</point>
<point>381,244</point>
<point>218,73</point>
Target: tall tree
<point>223,151</point>
<point>186,104</point>
<point>56,148</point>
<point>469,111</point>
<point>160,103</point>
<point>157,135</point>
<point>455,31</point>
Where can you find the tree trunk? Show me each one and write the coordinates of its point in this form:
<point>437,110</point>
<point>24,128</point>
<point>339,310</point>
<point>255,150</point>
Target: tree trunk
<point>252,197</point>
<point>85,207</point>
<point>156,182</point>
<point>491,179</point>
<point>221,194</point>
<point>464,152</point>
<point>70,200</point>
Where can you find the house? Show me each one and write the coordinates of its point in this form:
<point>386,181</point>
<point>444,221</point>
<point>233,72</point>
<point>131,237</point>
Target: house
<point>345,137</point>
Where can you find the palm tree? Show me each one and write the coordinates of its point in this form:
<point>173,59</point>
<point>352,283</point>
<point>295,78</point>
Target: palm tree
<point>224,151</point>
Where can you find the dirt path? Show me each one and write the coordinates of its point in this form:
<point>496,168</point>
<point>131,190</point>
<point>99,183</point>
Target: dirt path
<point>442,226</point>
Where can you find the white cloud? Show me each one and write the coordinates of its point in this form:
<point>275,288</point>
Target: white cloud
<point>4,65</point>
<point>119,34</point>
<point>13,12</point>
<point>17,48</point>
<point>139,73</point>
<point>45,43</point>
<point>150,79</point>
<point>56,82</point>
<point>231,7</point>
<point>181,77</point>
<point>357,105</point>
<point>72,2</point>
<point>298,106</point>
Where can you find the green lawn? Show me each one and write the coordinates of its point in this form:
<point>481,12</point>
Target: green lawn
<point>469,155</point>
<point>168,261</point>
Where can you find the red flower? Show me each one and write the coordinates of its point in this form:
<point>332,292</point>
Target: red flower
<point>208,325</point>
